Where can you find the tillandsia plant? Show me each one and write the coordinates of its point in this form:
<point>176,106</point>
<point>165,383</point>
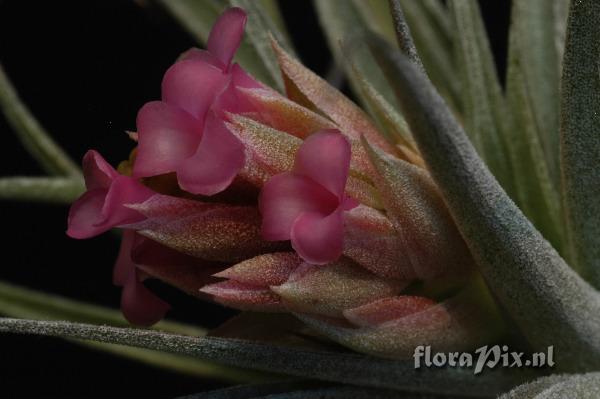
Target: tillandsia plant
<point>437,212</point>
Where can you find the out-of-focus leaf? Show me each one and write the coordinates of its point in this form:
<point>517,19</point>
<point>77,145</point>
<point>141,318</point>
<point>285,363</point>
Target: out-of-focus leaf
<point>580,137</point>
<point>533,24</point>
<point>342,20</point>
<point>390,122</point>
<point>550,303</point>
<point>328,366</point>
<point>561,12</point>
<point>377,16</point>
<point>36,140</point>
<point>254,54</point>
<point>558,386</point>
<point>17,301</point>
<point>536,184</point>
<point>431,28</point>
<point>61,190</point>
<point>483,106</point>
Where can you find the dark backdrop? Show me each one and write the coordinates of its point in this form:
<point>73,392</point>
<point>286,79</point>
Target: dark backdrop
<point>85,68</point>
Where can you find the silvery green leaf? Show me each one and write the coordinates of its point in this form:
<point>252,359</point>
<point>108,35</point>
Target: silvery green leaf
<point>253,390</point>
<point>558,386</point>
<point>18,301</point>
<point>535,182</point>
<point>338,367</point>
<point>549,302</point>
<point>403,35</point>
<point>483,106</point>
<point>254,54</point>
<point>580,137</point>
<point>298,391</point>
<point>431,28</point>
<point>36,140</point>
<point>62,190</point>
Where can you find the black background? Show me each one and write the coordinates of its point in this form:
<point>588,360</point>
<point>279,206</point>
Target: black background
<point>85,68</point>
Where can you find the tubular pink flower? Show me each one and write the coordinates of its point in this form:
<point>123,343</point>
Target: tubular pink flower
<point>104,204</point>
<point>138,304</point>
<point>306,205</point>
<point>185,133</point>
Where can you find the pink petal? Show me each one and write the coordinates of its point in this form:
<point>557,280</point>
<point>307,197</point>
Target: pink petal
<point>195,54</point>
<point>325,158</point>
<point>122,192</point>
<point>139,305</point>
<point>167,135</point>
<point>218,159</point>
<point>97,172</point>
<point>226,34</point>
<point>124,262</point>
<point>317,239</point>
<point>243,79</point>
<point>85,215</point>
<point>284,197</point>
<point>193,86</point>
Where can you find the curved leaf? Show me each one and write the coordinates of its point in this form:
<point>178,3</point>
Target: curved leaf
<point>550,303</point>
<point>36,140</point>
<point>17,301</point>
<point>403,35</point>
<point>580,137</point>
<point>328,366</point>
<point>61,190</point>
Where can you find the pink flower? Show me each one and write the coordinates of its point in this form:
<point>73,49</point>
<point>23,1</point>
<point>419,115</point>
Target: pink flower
<point>307,204</point>
<point>104,204</point>
<point>185,132</point>
<point>138,304</point>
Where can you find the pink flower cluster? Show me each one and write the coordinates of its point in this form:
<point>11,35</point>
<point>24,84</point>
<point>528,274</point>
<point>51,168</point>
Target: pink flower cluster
<point>187,134</point>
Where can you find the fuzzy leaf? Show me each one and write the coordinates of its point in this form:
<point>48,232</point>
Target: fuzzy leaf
<point>580,137</point>
<point>483,105</point>
<point>403,35</point>
<point>327,366</point>
<point>535,181</point>
<point>558,386</point>
<point>550,303</point>
<point>62,190</point>
<point>36,140</point>
<point>17,301</point>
